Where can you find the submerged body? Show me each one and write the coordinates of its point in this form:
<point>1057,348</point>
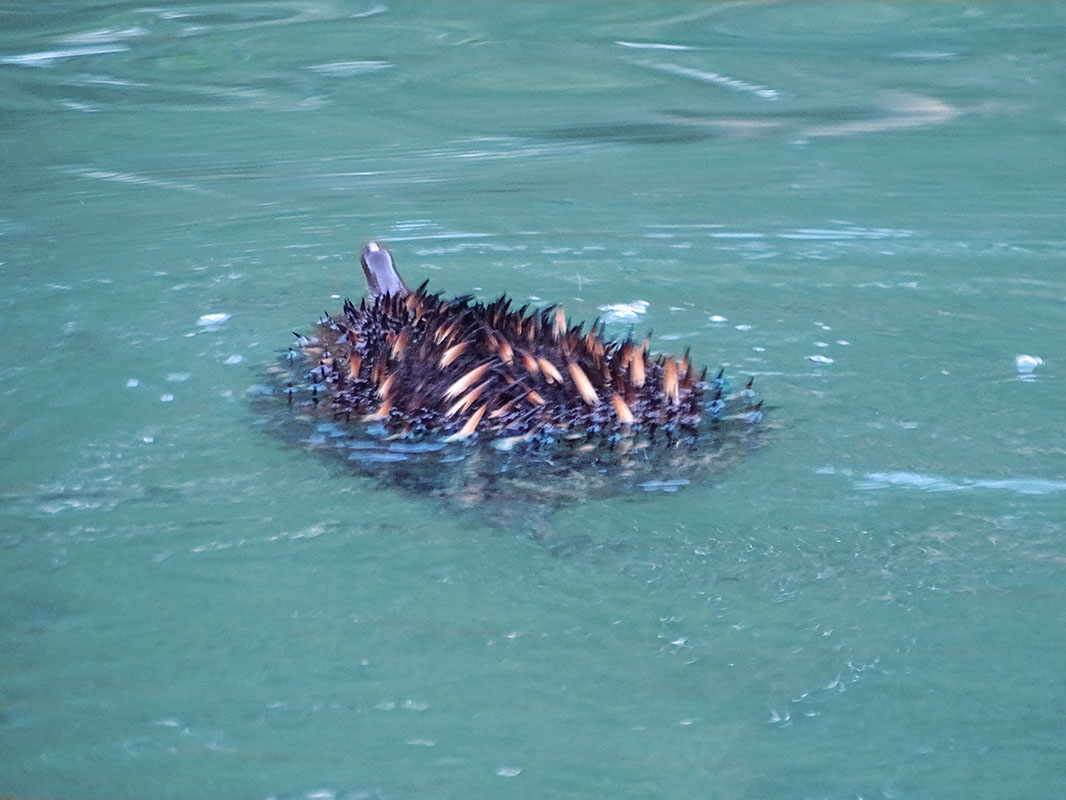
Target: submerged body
<point>402,386</point>
<point>423,366</point>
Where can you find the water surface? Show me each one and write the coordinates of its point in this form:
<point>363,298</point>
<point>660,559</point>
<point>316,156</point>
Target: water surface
<point>859,204</point>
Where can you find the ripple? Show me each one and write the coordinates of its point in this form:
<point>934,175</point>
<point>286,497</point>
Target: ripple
<point>938,483</point>
<point>212,321</point>
<point>653,46</point>
<point>348,69</point>
<point>138,180</point>
<point>624,312</point>
<point>845,234</point>
<point>45,58</point>
<point>1026,365</point>
<point>706,76</point>
<point>241,15</point>
<point>103,36</point>
<point>671,485</point>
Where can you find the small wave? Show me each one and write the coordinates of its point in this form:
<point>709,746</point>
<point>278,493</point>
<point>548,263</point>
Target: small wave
<point>653,46</point>
<point>45,58</point>
<point>441,236</point>
<point>1026,366</point>
<point>139,180</point>
<point>715,78</point>
<point>103,36</point>
<point>845,233</point>
<point>624,312</point>
<point>348,69</point>
<point>376,456</point>
<point>925,55</point>
<point>253,15</point>
<point>212,321</point>
<point>937,483</point>
<point>669,485</point>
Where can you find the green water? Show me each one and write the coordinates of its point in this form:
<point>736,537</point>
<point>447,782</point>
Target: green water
<point>871,196</point>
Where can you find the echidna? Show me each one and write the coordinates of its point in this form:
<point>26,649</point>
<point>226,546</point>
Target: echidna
<point>425,367</point>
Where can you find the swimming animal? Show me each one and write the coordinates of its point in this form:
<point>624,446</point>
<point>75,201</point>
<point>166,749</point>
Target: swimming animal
<point>426,367</point>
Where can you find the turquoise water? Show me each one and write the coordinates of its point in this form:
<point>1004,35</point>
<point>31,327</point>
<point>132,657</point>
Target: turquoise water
<point>859,204</point>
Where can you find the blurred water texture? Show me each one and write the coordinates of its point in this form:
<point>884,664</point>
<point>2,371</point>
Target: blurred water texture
<point>859,204</point>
